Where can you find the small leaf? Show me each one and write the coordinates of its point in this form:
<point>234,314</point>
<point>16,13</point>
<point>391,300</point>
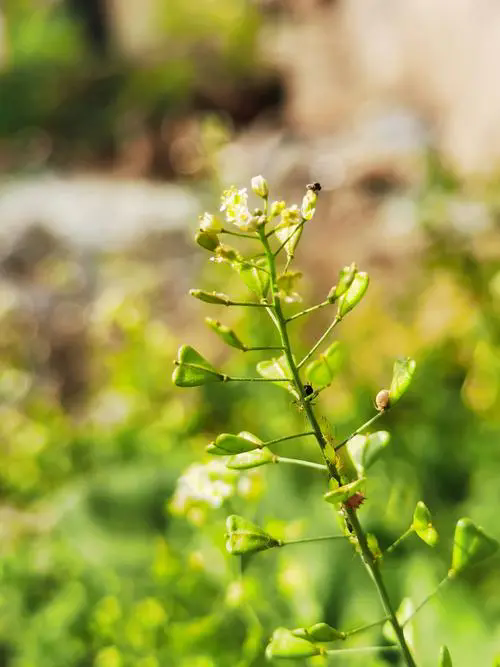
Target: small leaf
<point>321,372</point>
<point>210,297</point>
<point>227,443</point>
<point>342,493</point>
<point>354,294</point>
<point>224,332</point>
<point>244,537</point>
<point>255,275</point>
<point>346,276</point>
<point>320,632</point>
<point>207,240</point>
<point>422,525</point>
<point>402,374</point>
<point>364,450</point>
<point>277,368</point>
<point>284,644</point>
<point>471,545</point>
<point>445,658</point>
<point>193,370</point>
<point>253,459</point>
<point>405,611</point>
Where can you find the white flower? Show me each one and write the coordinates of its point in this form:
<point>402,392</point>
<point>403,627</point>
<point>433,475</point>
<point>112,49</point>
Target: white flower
<point>260,186</point>
<point>209,223</point>
<point>235,205</point>
<point>208,484</point>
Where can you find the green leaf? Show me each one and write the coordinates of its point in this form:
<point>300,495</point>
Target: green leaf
<point>344,492</point>
<point>405,611</point>
<point>354,294</point>
<point>364,450</point>
<point>226,444</point>
<point>193,370</point>
<point>320,632</point>
<point>277,368</point>
<point>422,525</point>
<point>244,537</point>
<point>207,240</point>
<point>321,372</point>
<point>211,297</point>
<point>287,283</point>
<point>253,459</point>
<point>224,332</point>
<point>445,658</point>
<point>346,276</point>
<point>402,375</point>
<point>284,644</point>
<point>471,545</point>
<point>255,275</point>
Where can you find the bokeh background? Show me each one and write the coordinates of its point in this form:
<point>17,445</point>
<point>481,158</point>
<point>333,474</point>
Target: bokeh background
<point>120,120</point>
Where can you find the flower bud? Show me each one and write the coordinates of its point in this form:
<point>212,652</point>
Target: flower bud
<point>309,204</point>
<point>244,537</point>
<point>210,223</point>
<point>260,186</point>
<point>207,240</point>
<point>276,208</point>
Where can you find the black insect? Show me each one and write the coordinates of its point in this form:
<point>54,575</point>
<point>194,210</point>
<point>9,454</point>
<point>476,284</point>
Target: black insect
<point>308,389</point>
<point>315,187</point>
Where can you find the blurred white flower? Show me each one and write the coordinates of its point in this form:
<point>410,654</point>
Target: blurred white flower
<point>234,203</point>
<point>204,484</point>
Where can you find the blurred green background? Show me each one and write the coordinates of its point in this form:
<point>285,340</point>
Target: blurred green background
<point>119,123</point>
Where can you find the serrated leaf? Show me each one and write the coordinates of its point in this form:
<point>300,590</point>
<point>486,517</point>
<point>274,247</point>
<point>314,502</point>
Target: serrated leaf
<point>224,332</point>
<point>471,545</point>
<point>277,368</point>
<point>321,372</point>
<point>253,459</point>
<point>227,444</point>
<point>255,275</point>
<point>422,524</point>
<point>445,657</point>
<point>284,644</point>
<point>364,450</point>
<point>344,492</point>
<point>245,537</point>
<point>402,375</point>
<point>319,632</point>
<point>193,370</point>
<point>354,294</point>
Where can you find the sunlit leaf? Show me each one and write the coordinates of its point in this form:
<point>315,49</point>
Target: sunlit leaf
<point>284,644</point>
<point>422,524</point>
<point>245,537</point>
<point>402,375</point>
<point>193,370</point>
<point>471,545</point>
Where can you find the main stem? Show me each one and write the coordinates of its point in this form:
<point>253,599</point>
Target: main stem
<point>350,514</point>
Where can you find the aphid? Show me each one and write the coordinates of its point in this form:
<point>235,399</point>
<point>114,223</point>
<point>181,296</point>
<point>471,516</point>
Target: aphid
<point>308,389</point>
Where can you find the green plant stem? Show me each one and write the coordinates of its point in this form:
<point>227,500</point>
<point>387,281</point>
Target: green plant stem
<point>263,347</point>
<point>368,626</point>
<point>367,556</point>
<point>360,429</point>
<point>428,597</point>
<point>243,236</point>
<point>252,304</point>
<point>287,437</point>
<point>308,310</point>
<point>300,462</point>
<point>297,229</point>
<point>319,341</point>
<point>400,539</point>
<point>228,378</point>
<point>363,649</point>
<point>373,570</point>
<point>305,540</point>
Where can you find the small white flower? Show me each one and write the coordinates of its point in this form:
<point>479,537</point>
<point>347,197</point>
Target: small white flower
<point>208,485</point>
<point>234,203</point>
<point>260,186</point>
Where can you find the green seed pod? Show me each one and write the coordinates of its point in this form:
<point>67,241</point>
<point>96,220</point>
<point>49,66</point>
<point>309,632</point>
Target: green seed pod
<point>364,450</point>
<point>422,525</point>
<point>227,444</point>
<point>354,294</point>
<point>210,297</point>
<point>253,459</point>
<point>207,240</point>
<point>193,370</point>
<point>320,632</point>
<point>224,332</point>
<point>244,537</point>
<point>471,545</point>
<point>445,658</point>
<point>321,372</point>
<point>346,276</point>
<point>284,644</point>
<point>255,275</point>
<point>402,375</point>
